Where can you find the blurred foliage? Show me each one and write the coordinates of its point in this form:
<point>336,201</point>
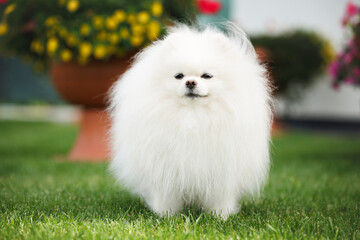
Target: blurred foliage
<point>81,30</point>
<point>294,59</point>
<point>180,10</point>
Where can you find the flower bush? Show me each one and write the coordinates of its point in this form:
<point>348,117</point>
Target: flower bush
<point>81,30</point>
<point>346,67</point>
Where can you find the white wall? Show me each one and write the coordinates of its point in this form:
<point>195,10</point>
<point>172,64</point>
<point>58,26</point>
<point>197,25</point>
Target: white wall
<point>322,16</point>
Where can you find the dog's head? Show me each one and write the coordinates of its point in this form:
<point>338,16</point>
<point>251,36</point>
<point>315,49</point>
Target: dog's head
<point>195,66</point>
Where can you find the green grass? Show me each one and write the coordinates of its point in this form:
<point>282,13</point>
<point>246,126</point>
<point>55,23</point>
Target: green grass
<point>313,193</point>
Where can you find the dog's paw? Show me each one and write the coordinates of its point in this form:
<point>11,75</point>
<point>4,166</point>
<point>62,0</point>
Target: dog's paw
<point>165,207</point>
<point>224,209</point>
<point>224,213</point>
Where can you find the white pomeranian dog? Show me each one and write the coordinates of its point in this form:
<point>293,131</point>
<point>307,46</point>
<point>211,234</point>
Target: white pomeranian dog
<point>191,122</point>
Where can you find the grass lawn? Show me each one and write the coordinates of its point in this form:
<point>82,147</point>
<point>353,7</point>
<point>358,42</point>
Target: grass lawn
<point>313,193</point>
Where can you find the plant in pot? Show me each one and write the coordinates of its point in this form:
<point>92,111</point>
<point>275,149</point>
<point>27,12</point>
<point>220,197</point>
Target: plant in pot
<point>85,45</point>
<point>294,59</point>
<point>345,69</point>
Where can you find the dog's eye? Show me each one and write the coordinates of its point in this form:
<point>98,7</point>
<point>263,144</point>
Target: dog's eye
<point>179,76</point>
<point>206,76</point>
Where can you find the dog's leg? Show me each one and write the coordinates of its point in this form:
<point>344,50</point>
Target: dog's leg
<point>224,206</point>
<point>165,204</point>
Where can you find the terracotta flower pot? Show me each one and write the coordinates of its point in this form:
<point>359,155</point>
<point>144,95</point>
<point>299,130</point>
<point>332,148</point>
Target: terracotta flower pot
<point>88,86</point>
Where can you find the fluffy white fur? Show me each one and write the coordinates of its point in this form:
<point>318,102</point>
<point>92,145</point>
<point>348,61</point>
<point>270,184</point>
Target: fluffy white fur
<point>208,151</point>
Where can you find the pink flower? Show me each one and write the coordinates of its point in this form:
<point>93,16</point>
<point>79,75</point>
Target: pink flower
<point>344,20</point>
<point>335,86</point>
<point>356,71</point>
<point>351,9</point>
<point>348,58</point>
<point>351,43</point>
<point>349,80</point>
<point>334,69</point>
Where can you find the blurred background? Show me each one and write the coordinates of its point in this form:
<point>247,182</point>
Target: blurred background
<point>311,48</point>
<point>320,99</point>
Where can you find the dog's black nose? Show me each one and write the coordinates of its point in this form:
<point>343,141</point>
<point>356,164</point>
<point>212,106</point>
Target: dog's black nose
<point>191,84</point>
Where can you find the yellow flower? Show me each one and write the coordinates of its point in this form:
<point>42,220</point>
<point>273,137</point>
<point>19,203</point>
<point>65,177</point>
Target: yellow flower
<point>85,29</point>
<point>156,9</point>
<point>66,55</point>
<point>114,38</point>
<point>327,52</point>
<point>137,29</point>
<point>98,22</point>
<point>136,41</point>
<point>82,60</point>
<point>72,5</point>
<point>111,23</point>
<point>71,40</point>
<point>153,30</point>
<point>85,49</point>
<point>56,28</point>
<point>61,2</point>
<point>63,32</point>
<point>131,18</point>
<point>33,45</point>
<point>100,51</point>
<point>37,47</point>
<point>124,33</point>
<point>9,9</point>
<point>143,17</point>
<point>119,15</point>
<point>102,36</point>
<point>50,33</point>
<point>111,50</point>
<point>51,21</point>
<point>52,45</point>
<point>3,29</point>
